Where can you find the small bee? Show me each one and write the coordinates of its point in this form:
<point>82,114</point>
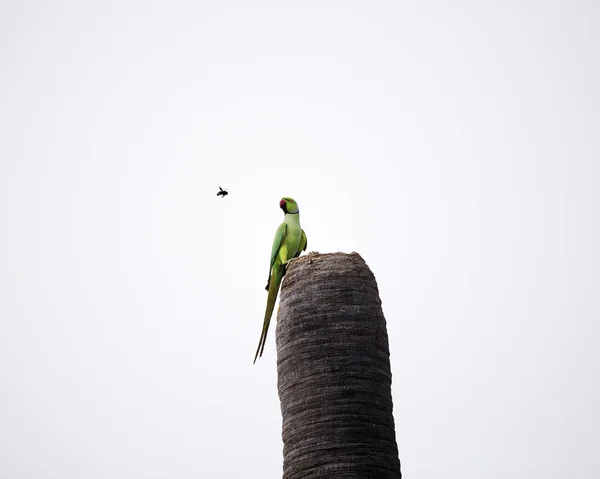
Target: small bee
<point>222,193</point>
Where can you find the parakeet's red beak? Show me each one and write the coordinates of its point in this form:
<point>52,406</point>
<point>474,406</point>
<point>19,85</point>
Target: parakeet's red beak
<point>282,204</point>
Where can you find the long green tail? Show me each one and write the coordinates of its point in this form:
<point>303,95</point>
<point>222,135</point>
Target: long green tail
<point>274,282</point>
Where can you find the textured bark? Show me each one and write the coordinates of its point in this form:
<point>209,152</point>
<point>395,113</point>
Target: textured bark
<point>333,367</point>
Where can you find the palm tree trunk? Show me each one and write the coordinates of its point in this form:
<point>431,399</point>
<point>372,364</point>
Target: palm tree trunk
<point>333,368</point>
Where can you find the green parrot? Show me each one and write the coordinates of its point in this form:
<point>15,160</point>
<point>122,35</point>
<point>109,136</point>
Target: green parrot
<point>289,242</point>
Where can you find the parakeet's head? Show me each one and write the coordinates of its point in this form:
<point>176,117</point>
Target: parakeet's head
<point>288,205</point>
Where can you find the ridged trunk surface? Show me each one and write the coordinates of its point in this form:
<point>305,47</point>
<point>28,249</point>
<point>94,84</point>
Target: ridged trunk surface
<point>333,367</point>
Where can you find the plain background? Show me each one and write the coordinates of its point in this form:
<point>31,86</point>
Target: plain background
<point>456,148</point>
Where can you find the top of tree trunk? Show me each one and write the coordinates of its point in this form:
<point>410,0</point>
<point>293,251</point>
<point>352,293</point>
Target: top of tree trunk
<point>327,264</point>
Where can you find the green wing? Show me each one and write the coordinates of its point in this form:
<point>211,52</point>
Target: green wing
<point>302,245</point>
<point>279,235</point>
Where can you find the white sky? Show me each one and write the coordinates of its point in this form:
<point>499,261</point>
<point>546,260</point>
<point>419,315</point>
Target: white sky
<point>456,149</point>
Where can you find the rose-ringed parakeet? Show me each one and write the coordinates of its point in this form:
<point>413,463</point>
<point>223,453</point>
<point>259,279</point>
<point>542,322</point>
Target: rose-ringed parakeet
<point>289,242</point>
